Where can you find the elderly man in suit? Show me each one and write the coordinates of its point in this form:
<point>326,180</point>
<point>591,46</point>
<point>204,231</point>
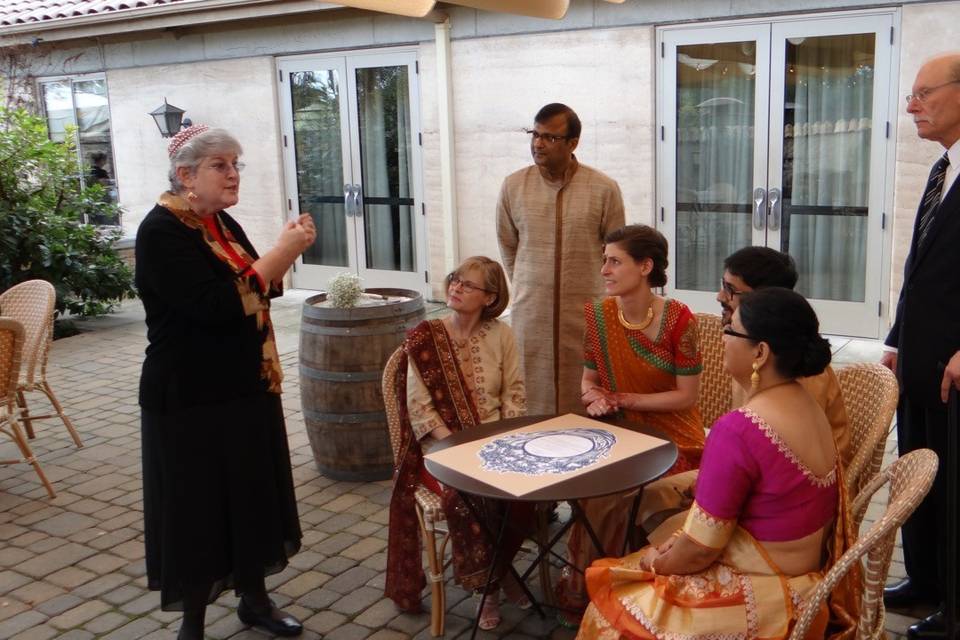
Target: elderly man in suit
<point>923,347</point>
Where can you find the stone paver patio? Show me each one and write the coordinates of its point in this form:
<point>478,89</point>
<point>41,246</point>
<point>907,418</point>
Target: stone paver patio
<point>72,567</point>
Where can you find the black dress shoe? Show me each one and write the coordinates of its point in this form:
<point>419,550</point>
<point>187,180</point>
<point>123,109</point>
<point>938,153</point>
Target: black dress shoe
<point>277,622</point>
<point>906,594</point>
<point>933,626</point>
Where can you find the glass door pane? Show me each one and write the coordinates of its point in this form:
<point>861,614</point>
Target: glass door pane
<point>827,126</point>
<point>318,155</point>
<point>386,161</point>
<point>716,112</point>
<point>829,107</point>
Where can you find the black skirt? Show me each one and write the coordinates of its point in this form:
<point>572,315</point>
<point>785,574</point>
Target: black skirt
<point>218,500</point>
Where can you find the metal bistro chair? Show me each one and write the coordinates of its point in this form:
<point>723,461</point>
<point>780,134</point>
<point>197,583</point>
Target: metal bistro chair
<point>11,348</point>
<point>32,304</point>
<point>910,478</point>
<point>429,510</point>
<point>716,385</point>
<point>870,395</point>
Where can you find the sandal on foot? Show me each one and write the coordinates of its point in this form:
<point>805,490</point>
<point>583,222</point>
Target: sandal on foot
<point>569,620</point>
<point>490,612</point>
<point>514,593</point>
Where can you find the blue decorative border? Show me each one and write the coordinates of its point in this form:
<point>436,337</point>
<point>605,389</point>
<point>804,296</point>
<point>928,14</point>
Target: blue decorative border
<point>510,454</point>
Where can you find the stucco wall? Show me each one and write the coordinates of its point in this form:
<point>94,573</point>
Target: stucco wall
<point>926,32</point>
<point>237,95</point>
<point>500,83</point>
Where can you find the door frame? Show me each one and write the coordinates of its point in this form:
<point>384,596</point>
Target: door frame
<point>884,170</point>
<point>347,62</point>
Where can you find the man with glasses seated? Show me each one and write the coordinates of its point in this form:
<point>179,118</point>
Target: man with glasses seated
<point>753,268</point>
<point>750,269</point>
<point>552,217</point>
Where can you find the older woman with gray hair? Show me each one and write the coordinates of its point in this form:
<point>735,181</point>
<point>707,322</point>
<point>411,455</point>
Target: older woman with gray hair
<point>218,499</point>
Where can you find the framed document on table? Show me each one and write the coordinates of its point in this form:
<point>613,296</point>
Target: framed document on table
<point>533,457</point>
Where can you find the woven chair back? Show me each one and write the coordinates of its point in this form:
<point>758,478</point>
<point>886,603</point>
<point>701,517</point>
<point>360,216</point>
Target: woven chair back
<point>391,402</point>
<point>32,304</point>
<point>716,390</point>
<point>870,396</point>
<point>909,479</point>
<point>11,348</point>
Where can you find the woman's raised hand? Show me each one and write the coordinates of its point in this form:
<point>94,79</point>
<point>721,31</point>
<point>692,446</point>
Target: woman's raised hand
<point>296,238</point>
<point>306,221</point>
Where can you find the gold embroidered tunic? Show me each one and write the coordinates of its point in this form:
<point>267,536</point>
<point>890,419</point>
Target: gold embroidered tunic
<point>551,240</point>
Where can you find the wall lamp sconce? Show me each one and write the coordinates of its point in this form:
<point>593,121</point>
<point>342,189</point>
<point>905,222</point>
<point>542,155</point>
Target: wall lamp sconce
<point>169,119</point>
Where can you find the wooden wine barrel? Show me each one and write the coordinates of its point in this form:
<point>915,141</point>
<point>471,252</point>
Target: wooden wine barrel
<point>342,355</point>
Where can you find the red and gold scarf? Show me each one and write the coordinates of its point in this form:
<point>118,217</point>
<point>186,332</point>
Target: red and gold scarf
<point>254,292</point>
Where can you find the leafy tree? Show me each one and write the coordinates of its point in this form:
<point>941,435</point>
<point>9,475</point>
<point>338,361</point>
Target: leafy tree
<point>42,209</point>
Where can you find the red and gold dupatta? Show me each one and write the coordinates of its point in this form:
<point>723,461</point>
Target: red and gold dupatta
<point>429,348</point>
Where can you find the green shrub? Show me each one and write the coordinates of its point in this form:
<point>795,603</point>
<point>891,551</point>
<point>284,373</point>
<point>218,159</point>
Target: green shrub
<point>42,209</point>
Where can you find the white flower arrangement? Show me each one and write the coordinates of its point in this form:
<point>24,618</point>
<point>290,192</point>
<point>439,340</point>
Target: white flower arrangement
<point>344,290</point>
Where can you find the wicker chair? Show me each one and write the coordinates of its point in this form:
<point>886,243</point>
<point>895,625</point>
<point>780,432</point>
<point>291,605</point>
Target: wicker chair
<point>32,304</point>
<point>429,510</point>
<point>870,395</point>
<point>716,385</point>
<point>11,348</point>
<point>910,478</point>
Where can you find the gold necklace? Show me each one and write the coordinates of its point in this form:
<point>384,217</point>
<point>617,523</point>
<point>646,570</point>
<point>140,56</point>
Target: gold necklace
<point>640,326</point>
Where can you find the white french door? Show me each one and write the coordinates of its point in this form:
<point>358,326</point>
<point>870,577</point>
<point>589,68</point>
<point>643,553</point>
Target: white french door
<point>777,134</point>
<point>351,135</point>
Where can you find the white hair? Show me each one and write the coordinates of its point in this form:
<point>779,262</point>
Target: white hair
<point>209,143</point>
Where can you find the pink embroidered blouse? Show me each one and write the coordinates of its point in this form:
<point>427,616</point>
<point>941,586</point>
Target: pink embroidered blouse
<point>748,474</point>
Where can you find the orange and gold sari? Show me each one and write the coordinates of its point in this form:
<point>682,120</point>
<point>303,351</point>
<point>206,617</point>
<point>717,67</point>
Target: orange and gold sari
<point>752,489</point>
<point>627,360</point>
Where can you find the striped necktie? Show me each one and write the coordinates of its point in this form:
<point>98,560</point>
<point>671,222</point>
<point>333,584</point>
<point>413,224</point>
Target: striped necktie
<point>931,197</point>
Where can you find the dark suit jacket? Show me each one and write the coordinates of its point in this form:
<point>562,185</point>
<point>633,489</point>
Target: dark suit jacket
<point>203,348</point>
<point>927,326</point>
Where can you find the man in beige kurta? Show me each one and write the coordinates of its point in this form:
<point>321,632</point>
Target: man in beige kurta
<point>551,220</point>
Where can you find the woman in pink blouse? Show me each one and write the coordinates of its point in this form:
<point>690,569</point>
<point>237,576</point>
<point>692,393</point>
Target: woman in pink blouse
<point>766,501</point>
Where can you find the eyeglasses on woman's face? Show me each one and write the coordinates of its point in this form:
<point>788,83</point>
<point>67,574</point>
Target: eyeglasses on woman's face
<point>729,331</point>
<point>465,285</point>
<point>223,167</point>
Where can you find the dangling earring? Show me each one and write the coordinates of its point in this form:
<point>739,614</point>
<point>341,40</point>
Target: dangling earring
<point>192,196</point>
<point>755,377</point>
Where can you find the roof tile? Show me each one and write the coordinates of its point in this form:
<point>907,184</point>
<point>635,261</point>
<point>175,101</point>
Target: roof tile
<point>16,12</point>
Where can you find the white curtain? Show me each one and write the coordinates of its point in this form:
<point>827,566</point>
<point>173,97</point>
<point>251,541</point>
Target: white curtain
<point>385,148</point>
<point>715,115</point>
<point>828,132</point>
<point>320,178</point>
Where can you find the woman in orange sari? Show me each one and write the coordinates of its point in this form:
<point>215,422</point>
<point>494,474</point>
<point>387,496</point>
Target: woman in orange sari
<point>768,503</point>
<point>641,361</point>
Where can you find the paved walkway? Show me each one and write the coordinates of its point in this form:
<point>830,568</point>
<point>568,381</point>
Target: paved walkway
<point>72,567</point>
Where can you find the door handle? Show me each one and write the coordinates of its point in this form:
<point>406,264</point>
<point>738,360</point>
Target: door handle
<point>348,199</point>
<point>773,214</point>
<point>357,200</point>
<point>759,207</point>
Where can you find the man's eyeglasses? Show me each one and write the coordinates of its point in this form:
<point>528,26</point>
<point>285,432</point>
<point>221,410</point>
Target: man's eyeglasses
<point>224,167</point>
<point>729,289</point>
<point>924,93</point>
<point>454,280</point>
<point>549,138</point>
<point>736,334</point>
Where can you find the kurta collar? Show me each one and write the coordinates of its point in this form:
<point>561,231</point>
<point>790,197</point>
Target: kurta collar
<point>567,175</point>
